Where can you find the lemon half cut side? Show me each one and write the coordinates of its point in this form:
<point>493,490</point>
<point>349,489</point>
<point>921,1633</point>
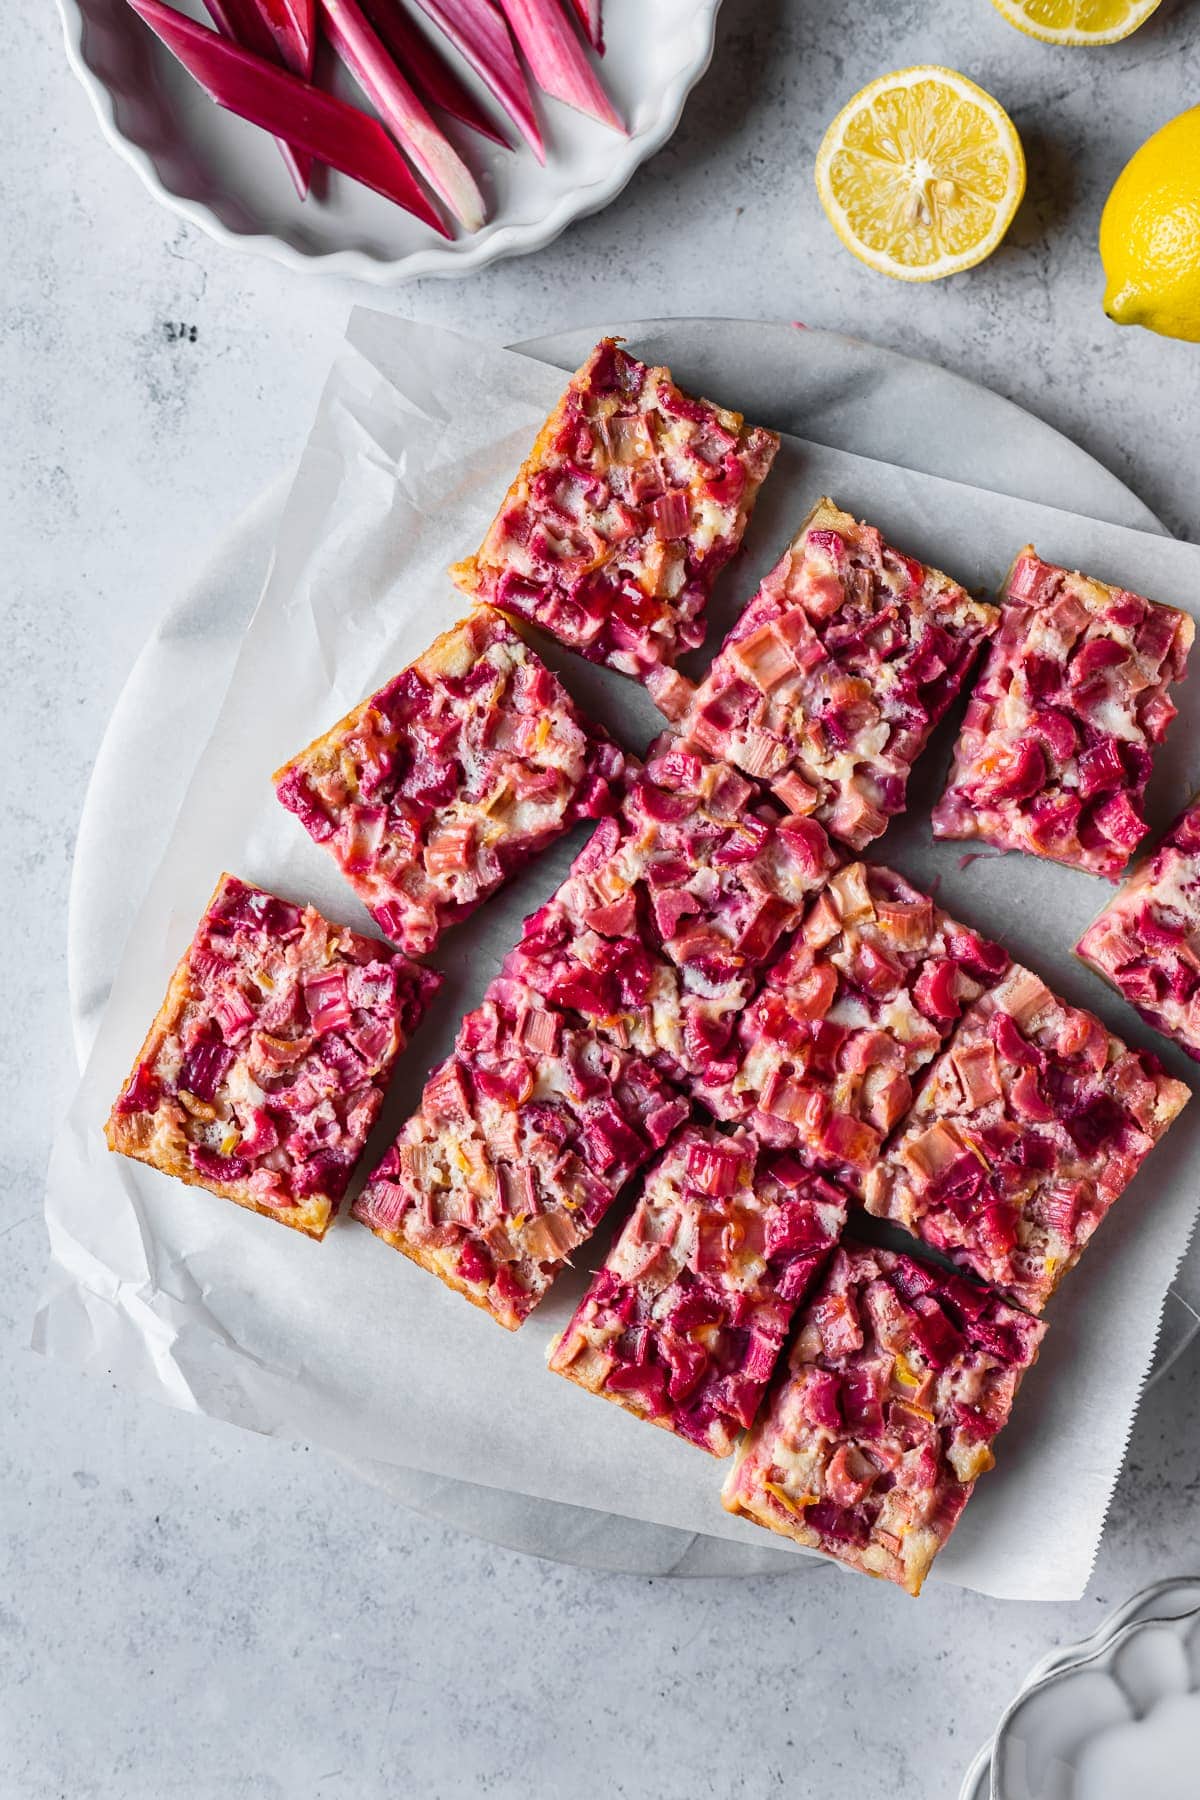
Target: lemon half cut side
<point>921,173</point>
<point>1077,21</point>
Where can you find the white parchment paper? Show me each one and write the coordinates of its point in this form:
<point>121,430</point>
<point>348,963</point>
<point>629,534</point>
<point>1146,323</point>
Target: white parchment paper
<point>173,1293</point>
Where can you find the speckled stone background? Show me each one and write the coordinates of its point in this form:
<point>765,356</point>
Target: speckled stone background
<point>186,1611</point>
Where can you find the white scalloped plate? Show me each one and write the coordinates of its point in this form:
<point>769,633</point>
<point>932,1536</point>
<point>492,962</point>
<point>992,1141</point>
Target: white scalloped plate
<point>1130,1685</point>
<point>228,178</point>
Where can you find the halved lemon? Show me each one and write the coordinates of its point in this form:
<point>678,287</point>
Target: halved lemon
<point>921,174</point>
<point>1077,21</point>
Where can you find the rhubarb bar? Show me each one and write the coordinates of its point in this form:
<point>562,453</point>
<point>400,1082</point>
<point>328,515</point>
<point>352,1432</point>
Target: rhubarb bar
<point>669,916</point>
<point>1057,743</point>
<point>633,498</point>
<point>685,1321</point>
<point>836,673</point>
<point>433,791</point>
<point>1146,942</point>
<point>869,989</point>
<point>267,1063</point>
<point>882,1419</point>
<point>1031,1123</point>
<point>524,1137</point>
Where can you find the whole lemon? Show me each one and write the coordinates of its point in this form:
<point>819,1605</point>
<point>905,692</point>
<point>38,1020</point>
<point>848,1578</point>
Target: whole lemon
<point>1150,234</point>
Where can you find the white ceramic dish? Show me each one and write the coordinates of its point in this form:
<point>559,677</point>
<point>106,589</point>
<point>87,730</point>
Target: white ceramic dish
<point>228,178</point>
<point>837,390</point>
<point>1131,1689</point>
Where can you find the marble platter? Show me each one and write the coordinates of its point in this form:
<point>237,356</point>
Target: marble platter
<point>836,390</point>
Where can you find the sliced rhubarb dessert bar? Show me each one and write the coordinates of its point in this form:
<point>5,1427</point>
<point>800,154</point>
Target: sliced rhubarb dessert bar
<point>267,1063</point>
<point>881,1421</point>
<point>661,932</point>
<point>433,791</point>
<point>1031,1123</point>
<point>1147,939</point>
<point>684,1322</point>
<point>865,995</point>
<point>524,1137</point>
<point>1057,743</point>
<point>632,499</point>
<point>836,673</point>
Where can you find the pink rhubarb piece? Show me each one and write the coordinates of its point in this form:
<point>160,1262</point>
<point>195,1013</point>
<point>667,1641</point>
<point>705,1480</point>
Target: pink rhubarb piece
<point>882,1419</point>
<point>661,932</point>
<point>524,1137</point>
<point>1146,942</point>
<point>836,673</point>
<point>267,1063</point>
<point>684,1322</point>
<point>1057,743</point>
<point>633,498</point>
<point>450,778</point>
<point>869,989</point>
<point>1031,1123</point>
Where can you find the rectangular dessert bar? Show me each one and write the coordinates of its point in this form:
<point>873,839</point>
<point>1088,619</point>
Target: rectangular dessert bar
<point>882,1418</point>
<point>435,789</point>
<point>684,1322</point>
<point>1057,743</point>
<point>1146,942</point>
<point>836,673</point>
<point>524,1138</point>
<point>267,1063</point>
<point>669,916</point>
<point>870,987</point>
<point>1031,1123</point>
<point>631,501</point>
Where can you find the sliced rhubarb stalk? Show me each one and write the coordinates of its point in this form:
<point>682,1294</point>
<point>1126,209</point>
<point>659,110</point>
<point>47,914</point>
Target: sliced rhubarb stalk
<point>590,16</point>
<point>293,25</point>
<point>480,35</point>
<point>556,59</point>
<point>243,23</point>
<point>353,37</point>
<point>433,78</point>
<point>282,104</point>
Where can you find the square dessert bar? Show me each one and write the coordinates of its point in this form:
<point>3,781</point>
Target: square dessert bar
<point>881,1421</point>
<point>669,916</point>
<point>1146,942</point>
<point>1057,743</point>
<point>684,1322</point>
<point>433,791</point>
<point>631,501</point>
<point>524,1137</point>
<point>267,1063</point>
<point>836,673</point>
<point>865,995</point>
<point>1031,1123</point>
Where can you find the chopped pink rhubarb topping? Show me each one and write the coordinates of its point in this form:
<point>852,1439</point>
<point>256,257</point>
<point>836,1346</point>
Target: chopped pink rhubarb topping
<point>660,934</point>
<point>266,1067</point>
<point>1146,942</point>
<point>524,1138</point>
<point>632,500</point>
<point>880,1422</point>
<point>1031,1104</point>
<point>834,676</point>
<point>866,993</point>
<point>437,788</point>
<point>1057,743</point>
<point>684,1322</point>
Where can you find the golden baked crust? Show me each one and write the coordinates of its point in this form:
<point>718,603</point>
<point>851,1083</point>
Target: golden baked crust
<point>432,791</point>
<point>442,1266</point>
<point>158,1121</point>
<point>633,497</point>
